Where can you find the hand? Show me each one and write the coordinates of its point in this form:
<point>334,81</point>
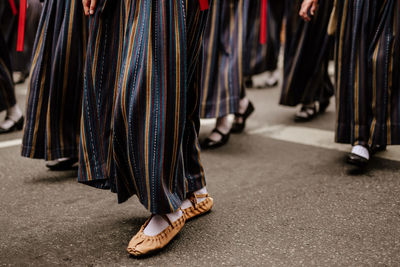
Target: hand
<point>308,6</point>
<point>89,6</point>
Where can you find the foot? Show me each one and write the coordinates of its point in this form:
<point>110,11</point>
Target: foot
<point>20,77</point>
<point>246,108</point>
<point>358,156</point>
<point>10,125</point>
<point>306,113</point>
<point>197,203</point>
<point>62,164</point>
<point>156,233</point>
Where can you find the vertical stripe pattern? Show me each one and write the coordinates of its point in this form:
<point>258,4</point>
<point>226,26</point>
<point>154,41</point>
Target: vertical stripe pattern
<point>141,98</point>
<point>224,40</point>
<point>54,92</point>
<point>367,60</point>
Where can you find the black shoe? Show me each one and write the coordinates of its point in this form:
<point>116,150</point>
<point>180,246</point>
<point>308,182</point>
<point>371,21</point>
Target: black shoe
<point>323,106</point>
<point>377,148</point>
<point>305,114</point>
<point>239,127</point>
<point>62,164</point>
<point>17,126</point>
<point>357,160</point>
<point>210,144</point>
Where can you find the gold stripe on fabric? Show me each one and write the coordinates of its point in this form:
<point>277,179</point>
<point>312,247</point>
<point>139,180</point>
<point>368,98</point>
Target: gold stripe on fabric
<point>374,92</point>
<point>240,45</point>
<point>175,150</point>
<point>71,23</point>
<point>209,54</point>
<point>339,55</point>
<point>34,62</point>
<point>390,77</point>
<point>356,99</point>
<point>85,151</point>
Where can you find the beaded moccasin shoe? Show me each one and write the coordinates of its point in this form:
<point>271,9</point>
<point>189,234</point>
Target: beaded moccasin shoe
<point>142,244</point>
<point>198,208</point>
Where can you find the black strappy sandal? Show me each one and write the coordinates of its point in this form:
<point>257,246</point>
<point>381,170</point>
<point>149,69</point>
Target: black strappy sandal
<point>17,126</point>
<point>305,114</point>
<point>210,144</point>
<point>239,127</point>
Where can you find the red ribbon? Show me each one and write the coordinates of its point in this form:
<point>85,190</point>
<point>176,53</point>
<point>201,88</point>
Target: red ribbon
<point>21,25</point>
<point>204,4</point>
<point>13,7</point>
<point>263,27</point>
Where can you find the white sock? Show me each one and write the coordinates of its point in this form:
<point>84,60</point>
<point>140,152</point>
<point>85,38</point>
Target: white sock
<point>187,204</point>
<point>14,113</point>
<point>360,151</point>
<point>158,224</point>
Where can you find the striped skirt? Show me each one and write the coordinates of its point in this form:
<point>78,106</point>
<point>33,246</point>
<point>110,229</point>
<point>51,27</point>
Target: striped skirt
<point>141,98</point>
<point>224,40</point>
<point>368,64</point>
<point>307,52</point>
<point>263,57</point>
<point>53,108</point>
<point>7,95</point>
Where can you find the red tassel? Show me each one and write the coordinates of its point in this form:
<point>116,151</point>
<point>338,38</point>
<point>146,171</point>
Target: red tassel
<point>13,7</point>
<point>21,25</point>
<point>263,26</point>
<point>204,5</point>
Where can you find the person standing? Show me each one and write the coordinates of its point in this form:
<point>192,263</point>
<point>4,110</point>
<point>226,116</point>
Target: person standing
<point>20,60</point>
<point>262,55</point>
<point>53,110</point>
<point>307,53</point>
<point>14,119</point>
<point>223,91</point>
<point>140,111</point>
<point>367,61</point>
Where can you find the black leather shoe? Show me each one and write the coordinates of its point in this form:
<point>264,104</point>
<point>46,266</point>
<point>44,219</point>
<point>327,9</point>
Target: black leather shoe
<point>17,126</point>
<point>62,164</point>
<point>210,144</point>
<point>377,148</point>
<point>239,127</point>
<point>357,160</point>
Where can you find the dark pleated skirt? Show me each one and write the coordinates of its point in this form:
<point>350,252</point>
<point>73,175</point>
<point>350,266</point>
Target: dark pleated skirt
<point>307,52</point>
<point>54,95</point>
<point>263,57</point>
<point>224,40</point>
<point>368,63</point>
<point>9,24</point>
<point>7,94</point>
<point>141,101</point>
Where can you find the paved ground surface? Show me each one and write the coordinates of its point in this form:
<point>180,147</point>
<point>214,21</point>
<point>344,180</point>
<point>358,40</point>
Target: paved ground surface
<point>277,203</point>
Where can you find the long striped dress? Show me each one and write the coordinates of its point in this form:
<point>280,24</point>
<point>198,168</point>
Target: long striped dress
<point>307,52</point>
<point>53,108</point>
<point>141,101</point>
<point>263,57</point>
<point>224,39</point>
<point>7,94</point>
<point>368,64</point>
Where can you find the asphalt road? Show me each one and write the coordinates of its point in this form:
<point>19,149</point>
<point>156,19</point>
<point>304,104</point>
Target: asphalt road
<point>277,203</point>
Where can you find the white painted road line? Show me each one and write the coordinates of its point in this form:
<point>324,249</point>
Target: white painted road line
<point>10,143</point>
<point>299,135</point>
<point>314,137</point>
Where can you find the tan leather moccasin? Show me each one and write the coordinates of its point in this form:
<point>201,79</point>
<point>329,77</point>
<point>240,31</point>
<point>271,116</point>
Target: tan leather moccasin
<point>142,244</point>
<point>198,208</point>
